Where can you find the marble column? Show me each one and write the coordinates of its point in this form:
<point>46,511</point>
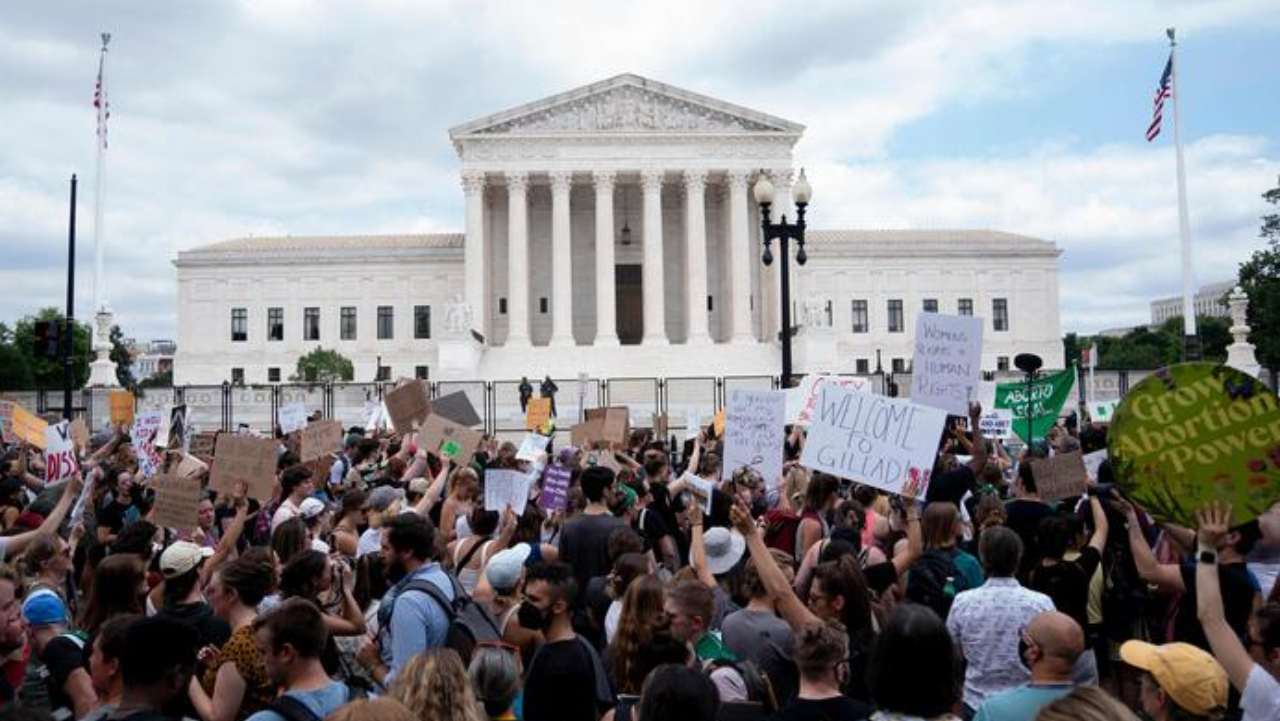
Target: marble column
<point>477,274</point>
<point>561,260</point>
<point>695,224</point>
<point>606,295</point>
<point>740,256</point>
<point>655,326</point>
<point>517,259</point>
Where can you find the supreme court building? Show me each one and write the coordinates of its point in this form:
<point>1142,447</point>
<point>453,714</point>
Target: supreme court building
<point>609,230</point>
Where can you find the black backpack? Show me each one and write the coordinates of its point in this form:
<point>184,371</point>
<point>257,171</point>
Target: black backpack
<point>291,709</point>
<point>469,622</point>
<point>934,581</point>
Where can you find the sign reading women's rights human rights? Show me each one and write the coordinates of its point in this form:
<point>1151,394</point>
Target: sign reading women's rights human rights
<point>884,442</point>
<point>1196,432</point>
<point>947,366</point>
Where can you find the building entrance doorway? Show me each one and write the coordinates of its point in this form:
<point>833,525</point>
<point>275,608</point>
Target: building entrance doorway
<point>629,299</point>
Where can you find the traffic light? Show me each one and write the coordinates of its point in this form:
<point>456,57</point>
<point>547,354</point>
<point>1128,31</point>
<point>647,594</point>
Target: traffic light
<point>48,333</point>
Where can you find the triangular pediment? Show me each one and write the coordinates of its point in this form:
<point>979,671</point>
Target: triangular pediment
<point>626,104</point>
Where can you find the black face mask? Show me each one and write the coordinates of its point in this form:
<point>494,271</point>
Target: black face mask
<point>532,617</point>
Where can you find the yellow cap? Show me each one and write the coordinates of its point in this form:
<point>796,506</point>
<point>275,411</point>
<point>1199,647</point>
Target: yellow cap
<point>1192,677</point>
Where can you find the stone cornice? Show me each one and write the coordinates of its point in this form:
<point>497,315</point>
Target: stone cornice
<point>394,256</point>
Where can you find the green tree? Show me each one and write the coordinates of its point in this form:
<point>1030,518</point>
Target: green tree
<point>163,379</point>
<point>1214,332</point>
<point>1071,347</point>
<point>1150,347</point>
<point>46,373</point>
<point>1260,279</point>
<point>123,359</point>
<point>323,366</point>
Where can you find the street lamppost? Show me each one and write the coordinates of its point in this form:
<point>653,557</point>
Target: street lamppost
<point>784,231</point>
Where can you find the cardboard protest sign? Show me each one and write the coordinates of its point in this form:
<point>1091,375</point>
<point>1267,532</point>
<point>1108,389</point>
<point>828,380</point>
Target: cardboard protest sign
<point>717,424</point>
<point>592,414</point>
<point>6,422</point>
<point>1196,432</point>
<point>202,444</point>
<point>122,405</point>
<point>177,503</point>
<point>555,488</point>
<point>318,439</point>
<point>660,426</point>
<point>80,433</point>
<point>1041,401</point>
<point>449,440</point>
<point>503,488</point>
<point>888,443</point>
<point>292,417</point>
<point>1061,476</point>
<point>946,367</point>
<point>28,427</point>
<point>587,434</point>
<point>189,466</point>
<point>145,436</point>
<point>244,458</point>
<point>59,452</point>
<point>617,425</point>
<point>754,436</point>
<point>537,413</point>
<point>533,447</point>
<point>1102,411</point>
<point>802,399</point>
<point>456,407</point>
<point>996,423</point>
<point>407,406</point>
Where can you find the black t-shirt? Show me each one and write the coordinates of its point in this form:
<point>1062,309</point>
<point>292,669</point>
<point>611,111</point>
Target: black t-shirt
<point>827,709</point>
<point>560,684</point>
<point>1067,583</point>
<point>584,545</point>
<point>1238,587</point>
<point>652,528</point>
<point>62,655</point>
<point>211,630</point>
<point>952,485</point>
<point>1024,516</point>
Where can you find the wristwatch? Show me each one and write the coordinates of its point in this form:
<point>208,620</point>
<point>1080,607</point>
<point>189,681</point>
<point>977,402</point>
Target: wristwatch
<point>1208,557</point>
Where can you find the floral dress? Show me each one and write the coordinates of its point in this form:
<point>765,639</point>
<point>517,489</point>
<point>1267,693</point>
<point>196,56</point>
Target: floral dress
<point>241,650</point>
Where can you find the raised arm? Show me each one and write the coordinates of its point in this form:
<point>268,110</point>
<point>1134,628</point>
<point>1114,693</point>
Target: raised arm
<point>232,535</point>
<point>790,607</point>
<point>698,548</point>
<point>15,545</point>
<point>434,491</point>
<point>1100,528</point>
<point>1214,520</point>
<point>915,540</point>
<point>1165,576</point>
<point>979,460</point>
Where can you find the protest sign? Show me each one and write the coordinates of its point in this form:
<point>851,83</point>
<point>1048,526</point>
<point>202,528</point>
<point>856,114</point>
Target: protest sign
<point>504,488</point>
<point>1061,476</point>
<point>753,437</point>
<point>318,439</point>
<point>537,413</point>
<point>122,405</point>
<point>292,417</point>
<point>177,502</point>
<point>717,424</point>
<point>59,452</point>
<point>145,436</point>
<point>692,425</point>
<point>407,406</point>
<point>28,427</point>
<point>244,459</point>
<point>1041,401</point>
<point>179,430</point>
<point>660,426</point>
<point>947,364</point>
<point>189,466</point>
<point>1102,411</point>
<point>701,489</point>
<point>1093,461</point>
<point>202,444</point>
<point>885,442</point>
<point>802,398</point>
<point>456,407</point>
<point>1197,432</point>
<point>996,423</point>
<point>449,440</point>
<point>617,425</point>
<point>80,433</point>
<point>6,422</point>
<point>585,434</point>
<point>532,448</point>
<point>555,488</point>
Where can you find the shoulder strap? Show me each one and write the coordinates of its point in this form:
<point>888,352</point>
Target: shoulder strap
<point>466,557</point>
<point>437,595</point>
<point>292,709</point>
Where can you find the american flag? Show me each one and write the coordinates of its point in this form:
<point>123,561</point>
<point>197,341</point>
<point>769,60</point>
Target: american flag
<point>100,95</point>
<point>1165,90</point>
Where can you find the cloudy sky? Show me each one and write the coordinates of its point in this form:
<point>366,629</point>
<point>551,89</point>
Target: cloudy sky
<point>274,117</point>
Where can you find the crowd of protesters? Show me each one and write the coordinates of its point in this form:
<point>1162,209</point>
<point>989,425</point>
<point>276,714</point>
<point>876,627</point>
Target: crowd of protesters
<point>376,585</point>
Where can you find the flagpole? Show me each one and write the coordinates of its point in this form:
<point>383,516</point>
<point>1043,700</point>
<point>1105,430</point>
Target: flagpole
<point>1190,343</point>
<point>99,292</point>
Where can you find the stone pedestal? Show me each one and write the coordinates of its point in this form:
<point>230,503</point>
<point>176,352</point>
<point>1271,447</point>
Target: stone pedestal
<point>1240,354</point>
<point>102,371</point>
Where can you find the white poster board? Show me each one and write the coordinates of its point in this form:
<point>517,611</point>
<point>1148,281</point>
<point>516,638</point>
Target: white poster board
<point>996,424</point>
<point>293,417</point>
<point>946,368</point>
<point>533,448</point>
<point>1093,461</point>
<point>504,488</point>
<point>754,430</point>
<point>888,443</point>
<point>145,436</point>
<point>59,452</point>
<point>802,399</point>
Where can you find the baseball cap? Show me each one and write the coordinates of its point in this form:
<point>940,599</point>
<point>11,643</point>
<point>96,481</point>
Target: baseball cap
<point>182,556</point>
<point>310,508</point>
<point>1192,678</point>
<point>383,496</point>
<point>44,608</point>
<point>503,571</point>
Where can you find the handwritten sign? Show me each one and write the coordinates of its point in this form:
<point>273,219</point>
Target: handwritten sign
<point>59,452</point>
<point>145,436</point>
<point>532,448</point>
<point>1041,400</point>
<point>456,407</point>
<point>617,425</point>
<point>701,489</point>
<point>318,439</point>
<point>802,399</point>
<point>947,365</point>
<point>177,503</point>
<point>537,413</point>
<point>407,406</point>
<point>1093,461</point>
<point>190,467</point>
<point>28,427</point>
<point>122,405</point>
<point>202,444</point>
<point>244,459</point>
<point>292,417</point>
<point>1061,476</point>
<point>504,488</point>
<point>753,437</point>
<point>449,440</point>
<point>884,442</point>
<point>179,430</point>
<point>996,423</point>
<point>555,488</point>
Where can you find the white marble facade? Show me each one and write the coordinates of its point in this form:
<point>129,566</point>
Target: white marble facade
<point>551,190</point>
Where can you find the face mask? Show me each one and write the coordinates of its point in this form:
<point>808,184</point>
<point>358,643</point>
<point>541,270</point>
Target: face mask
<point>532,617</point>
<point>1023,648</point>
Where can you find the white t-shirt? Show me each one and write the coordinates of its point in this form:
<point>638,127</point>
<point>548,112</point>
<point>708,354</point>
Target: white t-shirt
<point>1261,698</point>
<point>611,618</point>
<point>288,509</point>
<point>370,542</point>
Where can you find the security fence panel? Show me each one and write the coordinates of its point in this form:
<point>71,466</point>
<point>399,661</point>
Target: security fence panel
<point>312,398</point>
<point>205,407</point>
<point>478,393</point>
<point>254,407</point>
<point>685,396</point>
<point>641,395</point>
<point>350,402</point>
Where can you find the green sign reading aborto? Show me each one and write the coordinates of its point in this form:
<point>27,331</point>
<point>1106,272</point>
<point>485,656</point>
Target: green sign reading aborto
<point>1197,432</point>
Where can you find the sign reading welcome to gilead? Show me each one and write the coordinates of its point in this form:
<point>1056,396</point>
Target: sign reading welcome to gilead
<point>884,442</point>
<point>1197,432</point>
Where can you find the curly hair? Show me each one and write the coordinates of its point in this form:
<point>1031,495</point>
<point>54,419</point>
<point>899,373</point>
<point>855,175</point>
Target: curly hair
<point>642,617</point>
<point>434,685</point>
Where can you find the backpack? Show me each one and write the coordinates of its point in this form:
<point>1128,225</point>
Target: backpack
<point>934,581</point>
<point>782,530</point>
<point>469,622</point>
<point>294,710</point>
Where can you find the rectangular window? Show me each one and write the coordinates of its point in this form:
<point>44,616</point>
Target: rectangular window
<point>895,316</point>
<point>421,372</point>
<point>311,324</point>
<point>1000,313</point>
<point>830,314</point>
<point>863,366</point>
<point>502,306</point>
<point>237,376</point>
<point>275,323</point>
<point>347,323</point>
<point>710,305</point>
<point>1002,363</point>
<point>239,324</point>
<point>542,305</point>
<point>384,374</point>
<point>899,365</point>
<point>273,375</point>
<point>931,305</point>
<point>385,323</point>
<point>422,321</point>
<point>965,306</point>
<point>860,316</point>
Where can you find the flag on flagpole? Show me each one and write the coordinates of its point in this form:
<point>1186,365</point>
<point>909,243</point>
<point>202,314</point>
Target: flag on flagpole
<point>100,95</point>
<point>1163,91</point>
